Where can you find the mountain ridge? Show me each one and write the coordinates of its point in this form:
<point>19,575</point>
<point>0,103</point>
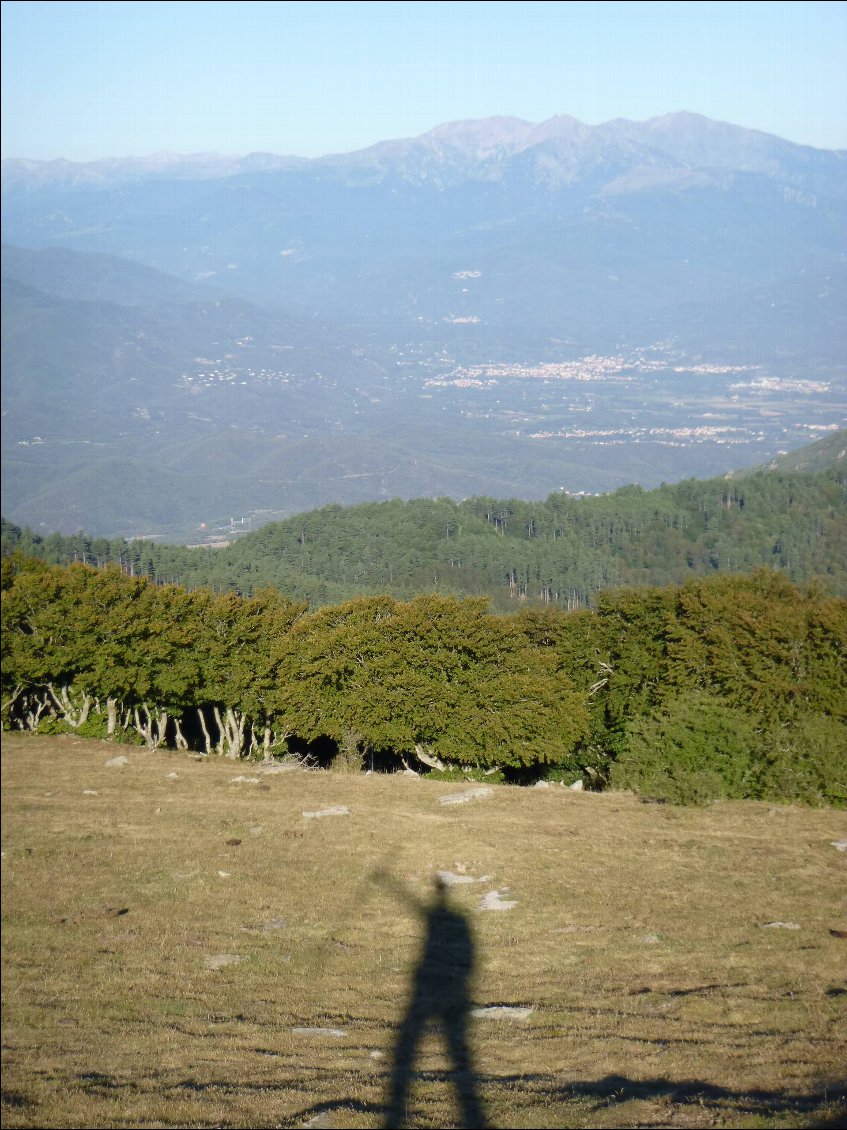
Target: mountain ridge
<point>668,134</point>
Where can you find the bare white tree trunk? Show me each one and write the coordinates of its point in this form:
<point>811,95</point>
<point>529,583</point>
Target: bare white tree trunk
<point>151,727</point>
<point>424,755</point>
<point>73,712</point>
<point>111,717</point>
<point>180,741</point>
<point>34,707</point>
<point>206,737</point>
<point>605,670</point>
<point>231,728</point>
<point>10,702</point>
<point>270,741</point>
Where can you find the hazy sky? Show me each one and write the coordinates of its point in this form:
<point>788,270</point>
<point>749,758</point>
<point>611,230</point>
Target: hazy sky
<point>84,80</point>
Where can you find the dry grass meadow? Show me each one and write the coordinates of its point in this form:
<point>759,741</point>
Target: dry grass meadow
<point>168,929</point>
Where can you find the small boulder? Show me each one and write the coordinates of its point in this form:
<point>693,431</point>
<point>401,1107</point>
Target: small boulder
<point>468,794</point>
<point>335,810</point>
<point>503,1012</point>
<point>215,961</point>
<point>321,1121</point>
<point>451,879</point>
<point>493,901</point>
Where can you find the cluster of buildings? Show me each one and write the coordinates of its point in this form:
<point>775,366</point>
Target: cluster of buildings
<point>671,437</point>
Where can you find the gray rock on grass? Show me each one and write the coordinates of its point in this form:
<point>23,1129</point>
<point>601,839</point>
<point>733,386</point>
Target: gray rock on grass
<point>494,901</point>
<point>335,810</point>
<point>460,879</point>
<point>215,961</point>
<point>321,1121</point>
<point>468,794</point>
<point>503,1012</point>
<point>451,879</point>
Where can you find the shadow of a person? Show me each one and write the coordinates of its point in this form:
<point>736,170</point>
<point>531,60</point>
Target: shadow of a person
<point>440,995</point>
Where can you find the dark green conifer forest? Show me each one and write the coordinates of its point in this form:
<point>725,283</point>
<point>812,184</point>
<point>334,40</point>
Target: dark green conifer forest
<point>560,552</point>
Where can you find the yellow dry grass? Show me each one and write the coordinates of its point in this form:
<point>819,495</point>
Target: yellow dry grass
<point>660,996</point>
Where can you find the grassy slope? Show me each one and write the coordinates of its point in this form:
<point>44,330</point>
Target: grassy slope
<point>637,937</point>
<point>831,451</point>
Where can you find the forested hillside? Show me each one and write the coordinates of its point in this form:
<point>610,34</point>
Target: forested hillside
<point>559,552</point>
<point>727,686</point>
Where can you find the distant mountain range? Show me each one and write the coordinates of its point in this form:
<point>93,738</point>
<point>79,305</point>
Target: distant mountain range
<point>333,324</point>
<point>558,151</point>
<point>626,232</point>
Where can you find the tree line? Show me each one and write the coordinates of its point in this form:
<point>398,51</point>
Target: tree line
<point>724,686</point>
<point>560,552</point>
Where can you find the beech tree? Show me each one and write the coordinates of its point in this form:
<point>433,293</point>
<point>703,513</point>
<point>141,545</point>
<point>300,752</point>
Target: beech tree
<point>80,637</point>
<point>437,678</point>
<point>762,643</point>
<point>323,671</point>
<point>237,644</point>
<point>694,749</point>
<point>724,686</point>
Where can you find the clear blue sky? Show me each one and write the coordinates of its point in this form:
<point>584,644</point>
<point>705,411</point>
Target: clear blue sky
<point>85,80</point>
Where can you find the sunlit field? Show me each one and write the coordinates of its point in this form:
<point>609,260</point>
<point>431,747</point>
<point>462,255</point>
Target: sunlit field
<point>206,943</point>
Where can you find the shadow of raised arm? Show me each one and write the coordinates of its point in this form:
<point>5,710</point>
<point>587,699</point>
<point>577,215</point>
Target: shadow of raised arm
<point>393,886</point>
